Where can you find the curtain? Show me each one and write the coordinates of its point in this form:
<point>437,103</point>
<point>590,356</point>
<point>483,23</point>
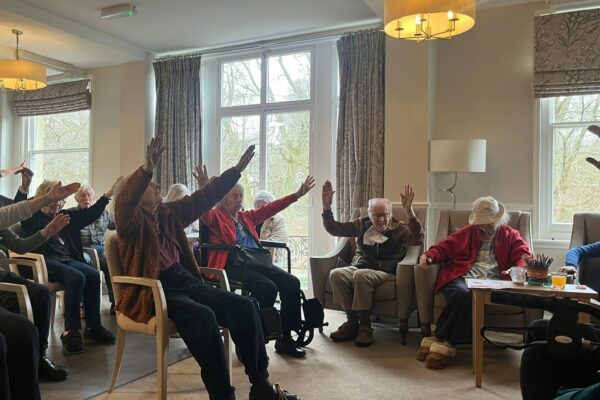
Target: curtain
<point>567,54</point>
<point>178,119</point>
<point>54,99</point>
<point>360,136</point>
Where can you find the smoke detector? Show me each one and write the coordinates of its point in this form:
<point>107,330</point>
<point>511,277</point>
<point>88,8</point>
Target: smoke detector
<point>118,11</point>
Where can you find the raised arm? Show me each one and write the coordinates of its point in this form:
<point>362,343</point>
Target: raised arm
<point>14,242</point>
<point>333,227</point>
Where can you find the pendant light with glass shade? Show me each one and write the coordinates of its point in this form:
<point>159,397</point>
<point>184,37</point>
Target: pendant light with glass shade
<point>421,20</point>
<point>21,75</point>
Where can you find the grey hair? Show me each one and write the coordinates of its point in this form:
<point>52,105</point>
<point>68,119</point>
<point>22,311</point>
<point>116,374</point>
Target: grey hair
<point>263,195</point>
<point>82,189</point>
<point>376,201</point>
<point>177,191</point>
<point>222,201</point>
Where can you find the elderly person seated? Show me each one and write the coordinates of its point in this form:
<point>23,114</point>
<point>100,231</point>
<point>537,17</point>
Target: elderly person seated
<point>152,244</point>
<point>227,224</point>
<point>179,191</point>
<point>273,228</point>
<point>380,244</point>
<point>63,254</point>
<point>486,248</point>
<point>93,234</point>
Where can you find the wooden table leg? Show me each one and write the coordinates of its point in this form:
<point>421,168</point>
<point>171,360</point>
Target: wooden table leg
<point>583,317</point>
<point>478,307</point>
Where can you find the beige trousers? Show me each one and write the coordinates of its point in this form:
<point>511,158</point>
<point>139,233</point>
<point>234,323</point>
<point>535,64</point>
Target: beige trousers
<point>353,288</point>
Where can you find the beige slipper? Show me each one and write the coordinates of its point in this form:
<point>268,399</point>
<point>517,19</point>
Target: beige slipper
<point>426,343</point>
<point>440,355</point>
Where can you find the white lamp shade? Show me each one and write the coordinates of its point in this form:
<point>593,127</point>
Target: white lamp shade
<point>457,155</point>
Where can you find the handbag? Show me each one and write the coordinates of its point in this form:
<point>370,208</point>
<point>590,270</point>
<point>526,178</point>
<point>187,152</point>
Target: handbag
<point>257,257</point>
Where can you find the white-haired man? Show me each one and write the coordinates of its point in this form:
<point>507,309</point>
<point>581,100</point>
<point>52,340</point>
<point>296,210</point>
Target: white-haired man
<point>380,244</point>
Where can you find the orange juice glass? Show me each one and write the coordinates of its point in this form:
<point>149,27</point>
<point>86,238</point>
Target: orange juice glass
<point>559,280</point>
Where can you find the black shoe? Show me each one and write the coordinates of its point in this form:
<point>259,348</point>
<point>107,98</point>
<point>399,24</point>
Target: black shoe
<point>51,372</point>
<point>287,346</point>
<point>72,343</point>
<point>100,334</point>
<point>271,392</point>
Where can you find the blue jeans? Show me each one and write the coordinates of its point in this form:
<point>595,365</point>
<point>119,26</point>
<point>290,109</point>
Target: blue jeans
<point>81,282</point>
<point>104,267</point>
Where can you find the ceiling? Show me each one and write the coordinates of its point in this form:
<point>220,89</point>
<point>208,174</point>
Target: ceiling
<point>73,32</point>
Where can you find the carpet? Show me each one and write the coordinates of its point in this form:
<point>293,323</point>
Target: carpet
<point>342,371</point>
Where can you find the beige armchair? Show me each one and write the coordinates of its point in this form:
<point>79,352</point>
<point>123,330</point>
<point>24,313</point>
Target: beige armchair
<point>431,306</point>
<point>394,300</point>
<point>160,325</point>
<point>19,290</point>
<point>586,230</point>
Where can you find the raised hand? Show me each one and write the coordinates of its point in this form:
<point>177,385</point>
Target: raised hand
<point>245,159</point>
<point>111,191</point>
<point>407,200</point>
<point>12,170</point>
<point>424,262</point>
<point>308,184</point>
<point>327,195</point>
<point>56,225</point>
<point>153,152</point>
<point>26,176</point>
<point>201,176</point>
<point>61,192</point>
<point>595,129</point>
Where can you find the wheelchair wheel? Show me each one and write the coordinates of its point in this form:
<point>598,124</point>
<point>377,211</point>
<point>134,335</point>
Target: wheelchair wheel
<point>303,337</point>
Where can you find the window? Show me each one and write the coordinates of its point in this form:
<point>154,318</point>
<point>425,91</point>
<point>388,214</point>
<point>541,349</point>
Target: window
<point>568,184</point>
<point>270,99</point>
<point>59,148</point>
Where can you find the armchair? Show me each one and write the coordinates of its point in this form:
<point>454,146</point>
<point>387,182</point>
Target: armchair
<point>586,230</point>
<point>430,306</point>
<point>394,300</point>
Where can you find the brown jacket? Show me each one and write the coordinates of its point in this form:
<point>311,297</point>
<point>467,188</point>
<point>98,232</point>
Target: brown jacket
<point>138,239</point>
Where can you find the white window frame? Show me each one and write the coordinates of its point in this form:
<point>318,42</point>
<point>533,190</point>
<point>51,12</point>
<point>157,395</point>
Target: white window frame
<point>548,230</point>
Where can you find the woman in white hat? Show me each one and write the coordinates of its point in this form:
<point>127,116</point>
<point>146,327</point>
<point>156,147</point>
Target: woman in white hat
<point>483,249</point>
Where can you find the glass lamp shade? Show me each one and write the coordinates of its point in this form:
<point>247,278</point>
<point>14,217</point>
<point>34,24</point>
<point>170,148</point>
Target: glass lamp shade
<point>22,75</point>
<point>428,19</point>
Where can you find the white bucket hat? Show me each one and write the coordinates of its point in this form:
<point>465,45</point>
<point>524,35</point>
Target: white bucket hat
<point>486,210</point>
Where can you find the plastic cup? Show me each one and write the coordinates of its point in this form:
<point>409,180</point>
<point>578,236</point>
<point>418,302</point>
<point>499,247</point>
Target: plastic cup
<point>559,280</point>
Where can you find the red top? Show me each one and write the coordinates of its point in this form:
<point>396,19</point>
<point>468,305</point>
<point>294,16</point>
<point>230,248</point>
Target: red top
<point>458,252</point>
<point>222,226</point>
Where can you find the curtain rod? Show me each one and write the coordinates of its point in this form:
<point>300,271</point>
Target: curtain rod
<point>262,43</point>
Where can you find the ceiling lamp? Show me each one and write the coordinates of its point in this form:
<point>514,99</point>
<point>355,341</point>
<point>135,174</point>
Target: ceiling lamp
<point>428,19</point>
<point>21,75</point>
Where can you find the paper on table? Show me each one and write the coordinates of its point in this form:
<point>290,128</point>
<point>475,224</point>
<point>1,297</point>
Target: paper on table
<point>488,284</point>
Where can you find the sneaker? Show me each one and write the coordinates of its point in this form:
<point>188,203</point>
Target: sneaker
<point>424,350</point>
<point>274,392</point>
<point>440,355</point>
<point>72,343</point>
<point>346,331</point>
<point>287,346</point>
<point>100,334</point>
<point>364,337</point>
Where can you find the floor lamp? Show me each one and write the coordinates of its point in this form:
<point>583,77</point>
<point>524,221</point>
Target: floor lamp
<point>456,156</point>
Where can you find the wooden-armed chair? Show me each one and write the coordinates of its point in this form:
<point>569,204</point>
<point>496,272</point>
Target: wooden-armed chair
<point>586,230</point>
<point>430,305</point>
<point>19,290</point>
<point>395,300</point>
<point>160,325</point>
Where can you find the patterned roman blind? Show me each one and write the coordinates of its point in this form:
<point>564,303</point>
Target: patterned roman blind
<point>567,54</point>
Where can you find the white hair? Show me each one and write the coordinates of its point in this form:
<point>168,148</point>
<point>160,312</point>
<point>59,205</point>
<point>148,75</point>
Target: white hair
<point>264,196</point>
<point>222,201</point>
<point>84,189</point>
<point>378,201</point>
<point>177,191</point>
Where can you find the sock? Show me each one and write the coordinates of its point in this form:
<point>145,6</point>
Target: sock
<point>365,318</point>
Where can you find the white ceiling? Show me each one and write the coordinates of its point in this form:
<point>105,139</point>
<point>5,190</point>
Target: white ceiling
<point>73,32</point>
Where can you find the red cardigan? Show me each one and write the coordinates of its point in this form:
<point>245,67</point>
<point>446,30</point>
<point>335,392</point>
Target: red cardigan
<point>458,252</point>
<point>222,226</point>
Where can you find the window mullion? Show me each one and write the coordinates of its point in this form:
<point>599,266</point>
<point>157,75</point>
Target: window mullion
<point>262,175</point>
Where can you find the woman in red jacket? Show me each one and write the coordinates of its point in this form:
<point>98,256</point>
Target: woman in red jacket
<point>228,224</point>
<point>485,249</point>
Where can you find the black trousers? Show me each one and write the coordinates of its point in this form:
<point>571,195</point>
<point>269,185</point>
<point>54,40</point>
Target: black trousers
<point>264,282</point>
<point>198,309</point>
<point>455,322</point>
<point>542,375</point>
<point>39,295</point>
<point>19,357</point>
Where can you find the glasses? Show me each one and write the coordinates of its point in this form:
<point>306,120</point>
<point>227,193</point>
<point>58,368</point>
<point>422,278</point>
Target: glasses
<point>380,215</point>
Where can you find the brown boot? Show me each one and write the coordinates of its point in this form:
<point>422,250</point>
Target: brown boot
<point>346,331</point>
<point>365,336</point>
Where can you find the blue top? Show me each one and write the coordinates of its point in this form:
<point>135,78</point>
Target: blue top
<point>576,254</point>
<point>243,237</point>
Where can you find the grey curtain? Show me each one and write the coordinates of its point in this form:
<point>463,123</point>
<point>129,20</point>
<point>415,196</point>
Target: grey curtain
<point>178,119</point>
<point>567,54</point>
<point>360,136</point>
<point>54,99</point>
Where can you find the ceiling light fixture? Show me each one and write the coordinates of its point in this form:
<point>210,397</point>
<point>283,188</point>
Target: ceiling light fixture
<point>421,20</point>
<point>21,75</point>
<point>118,11</point>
